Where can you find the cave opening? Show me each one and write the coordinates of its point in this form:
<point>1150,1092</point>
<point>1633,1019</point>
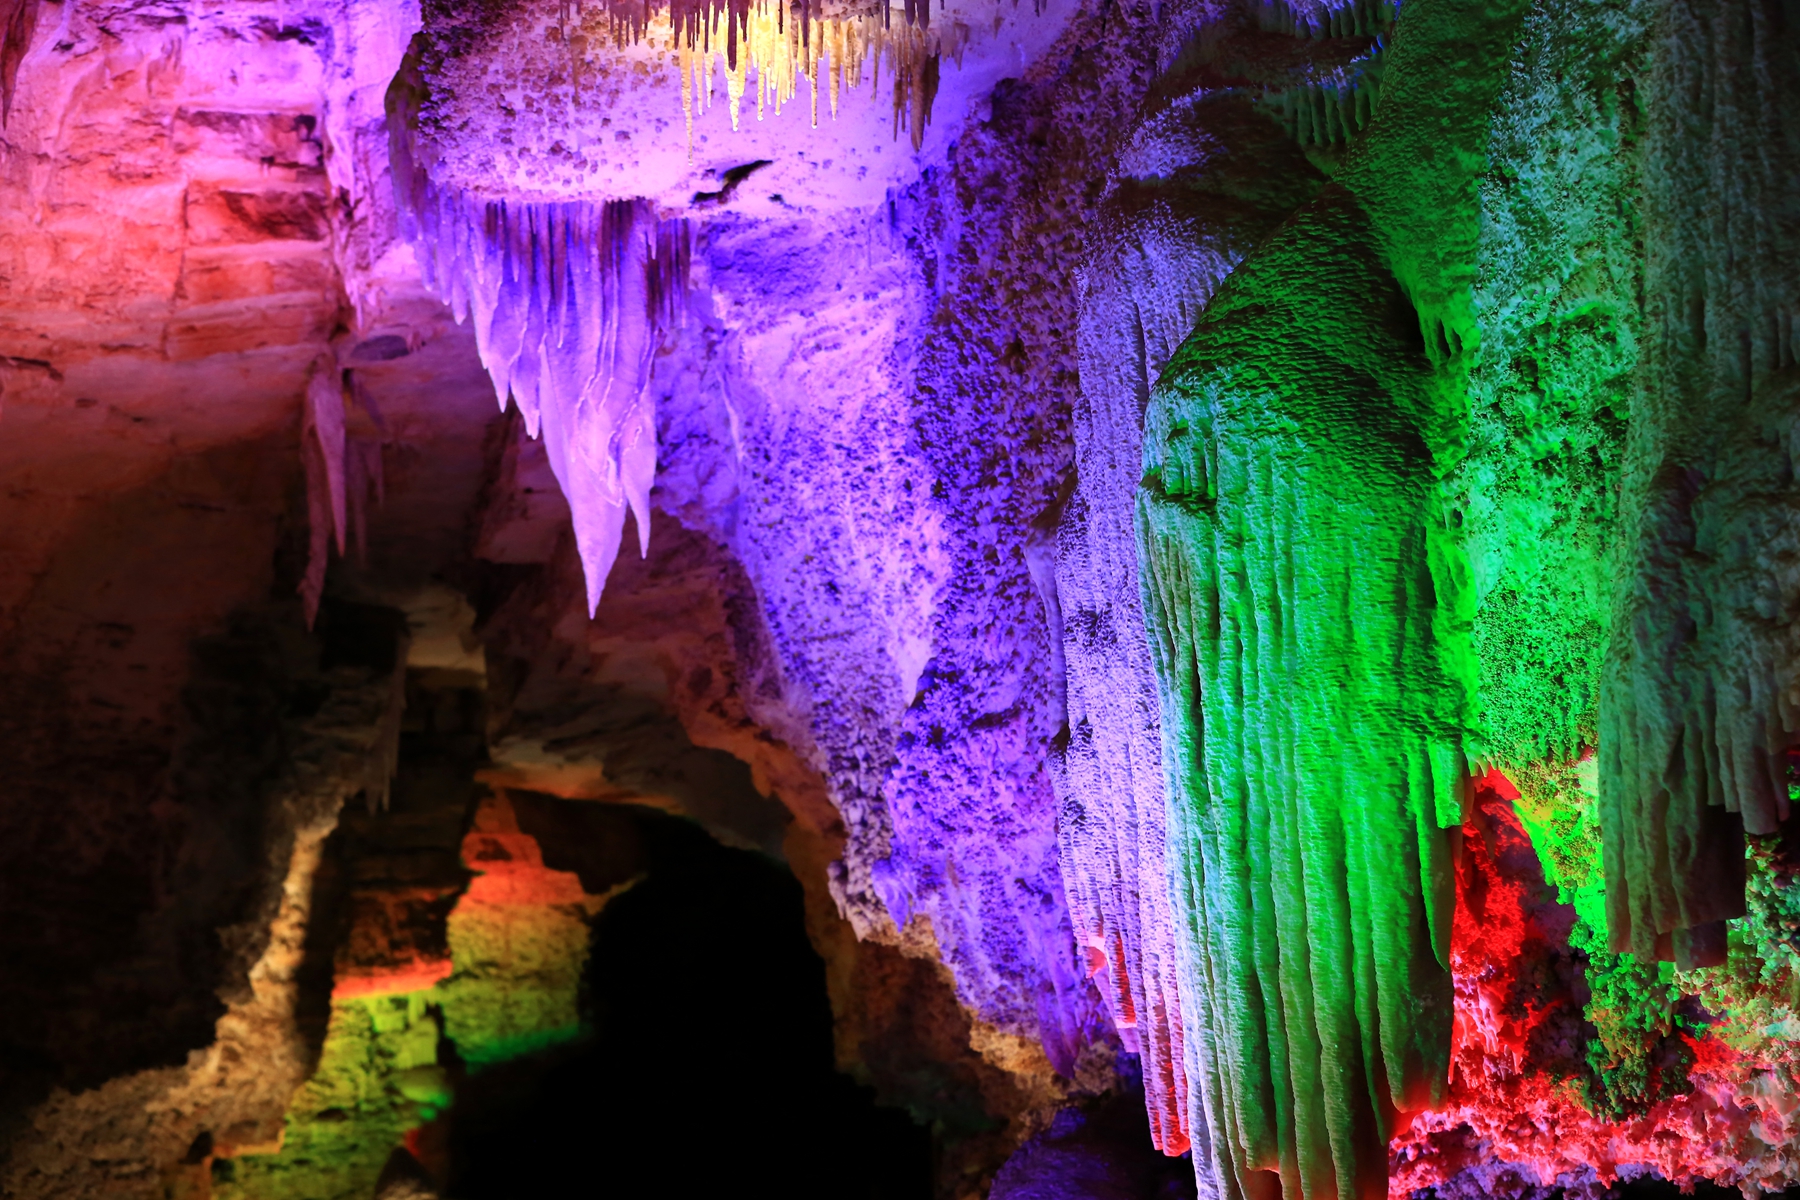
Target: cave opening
<point>505,993</point>
<point>708,1067</point>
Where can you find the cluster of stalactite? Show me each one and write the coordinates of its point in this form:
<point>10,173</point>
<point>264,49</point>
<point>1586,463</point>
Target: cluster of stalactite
<point>1333,106</point>
<point>1320,19</point>
<point>1698,704</point>
<point>1268,921</point>
<point>774,47</point>
<point>1326,114</point>
<point>569,303</point>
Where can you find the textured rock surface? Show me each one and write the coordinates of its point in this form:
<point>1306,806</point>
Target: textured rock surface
<point>1697,708</point>
<point>605,710</point>
<point>1199,183</point>
<point>1575,1068</point>
<point>146,1132</point>
<point>1317,976</point>
<point>1106,489</point>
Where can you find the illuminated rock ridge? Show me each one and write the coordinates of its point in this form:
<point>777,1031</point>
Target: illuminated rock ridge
<point>1233,559</point>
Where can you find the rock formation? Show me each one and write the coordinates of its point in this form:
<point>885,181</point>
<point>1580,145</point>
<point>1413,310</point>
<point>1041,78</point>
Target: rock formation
<point>1222,558</point>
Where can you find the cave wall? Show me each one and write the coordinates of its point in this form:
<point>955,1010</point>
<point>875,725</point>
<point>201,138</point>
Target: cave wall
<point>167,256</point>
<point>1528,283</point>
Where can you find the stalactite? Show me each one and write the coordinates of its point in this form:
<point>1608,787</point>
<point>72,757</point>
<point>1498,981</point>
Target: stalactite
<point>18,22</point>
<point>1325,19</point>
<point>767,50</point>
<point>1697,700</point>
<point>1303,609</point>
<point>1188,1097</point>
<point>1331,109</point>
<point>1326,114</point>
<point>570,303</point>
<point>1310,607</point>
<point>343,472</point>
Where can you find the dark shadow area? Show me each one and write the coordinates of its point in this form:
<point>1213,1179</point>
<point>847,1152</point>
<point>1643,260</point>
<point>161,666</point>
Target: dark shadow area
<point>1655,1188</point>
<point>1097,1151</point>
<point>709,1068</point>
<point>387,879</point>
<point>141,861</point>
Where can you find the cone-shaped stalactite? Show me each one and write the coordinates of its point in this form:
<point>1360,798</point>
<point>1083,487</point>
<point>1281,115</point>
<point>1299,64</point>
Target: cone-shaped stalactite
<point>1697,702</point>
<point>570,302</point>
<point>1308,621</point>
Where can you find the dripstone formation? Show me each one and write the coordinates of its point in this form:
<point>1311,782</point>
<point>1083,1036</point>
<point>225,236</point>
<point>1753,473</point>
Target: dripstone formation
<point>1076,599</point>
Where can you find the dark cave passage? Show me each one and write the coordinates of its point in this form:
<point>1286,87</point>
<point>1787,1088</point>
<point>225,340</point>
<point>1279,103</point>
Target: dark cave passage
<point>708,1068</point>
<point>674,1038</point>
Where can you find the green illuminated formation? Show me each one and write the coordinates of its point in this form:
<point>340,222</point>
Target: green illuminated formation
<point>1558,276</point>
<point>1627,496</point>
<point>519,953</point>
<point>1489,455</point>
<point>1697,708</point>
<point>1755,996</point>
<point>1310,605</point>
<point>1631,1002</point>
<point>1312,729</point>
<point>1560,273</point>
<point>377,1078</point>
<point>518,942</point>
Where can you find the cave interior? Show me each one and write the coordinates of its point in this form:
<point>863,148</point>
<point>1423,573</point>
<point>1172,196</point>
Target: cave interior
<point>1092,600</point>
